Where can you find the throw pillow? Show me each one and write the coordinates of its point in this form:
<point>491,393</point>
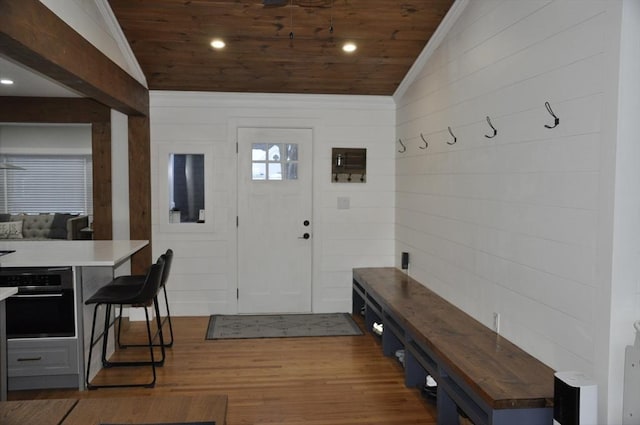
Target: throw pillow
<point>11,230</point>
<point>4,217</point>
<point>59,226</point>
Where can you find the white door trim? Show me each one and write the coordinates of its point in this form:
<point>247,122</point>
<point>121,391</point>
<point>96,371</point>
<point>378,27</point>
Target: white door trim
<point>269,122</point>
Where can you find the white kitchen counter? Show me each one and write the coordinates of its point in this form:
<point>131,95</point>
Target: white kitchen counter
<point>4,294</point>
<point>94,264</point>
<point>68,253</point>
<point>7,292</point>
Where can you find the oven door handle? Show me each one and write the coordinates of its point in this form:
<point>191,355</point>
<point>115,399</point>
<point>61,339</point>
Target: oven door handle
<point>37,295</point>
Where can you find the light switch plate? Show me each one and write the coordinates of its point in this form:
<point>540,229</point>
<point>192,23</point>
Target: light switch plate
<point>344,203</point>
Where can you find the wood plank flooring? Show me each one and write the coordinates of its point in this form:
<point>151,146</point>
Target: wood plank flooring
<point>287,381</point>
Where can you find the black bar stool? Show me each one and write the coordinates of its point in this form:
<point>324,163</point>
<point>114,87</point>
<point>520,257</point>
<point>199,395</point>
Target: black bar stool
<point>138,280</point>
<point>145,295</point>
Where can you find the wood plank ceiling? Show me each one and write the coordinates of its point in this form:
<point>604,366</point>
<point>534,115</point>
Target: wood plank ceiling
<point>171,40</point>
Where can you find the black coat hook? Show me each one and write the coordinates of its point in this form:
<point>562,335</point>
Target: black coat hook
<point>455,139</point>
<point>495,132</point>
<point>404,148</point>
<point>426,144</point>
<point>556,119</point>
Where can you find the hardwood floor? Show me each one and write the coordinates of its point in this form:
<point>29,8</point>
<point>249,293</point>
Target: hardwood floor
<point>286,381</point>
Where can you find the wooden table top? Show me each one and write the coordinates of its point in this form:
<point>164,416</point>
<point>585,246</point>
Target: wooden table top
<point>35,412</point>
<point>144,410</point>
<point>502,373</point>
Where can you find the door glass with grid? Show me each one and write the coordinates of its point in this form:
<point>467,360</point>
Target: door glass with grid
<point>274,161</point>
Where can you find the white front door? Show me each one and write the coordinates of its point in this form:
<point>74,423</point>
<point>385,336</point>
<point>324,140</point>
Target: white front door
<point>274,220</point>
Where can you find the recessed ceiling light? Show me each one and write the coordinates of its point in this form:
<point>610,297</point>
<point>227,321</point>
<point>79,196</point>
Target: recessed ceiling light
<point>6,81</point>
<point>349,47</point>
<point>217,44</point>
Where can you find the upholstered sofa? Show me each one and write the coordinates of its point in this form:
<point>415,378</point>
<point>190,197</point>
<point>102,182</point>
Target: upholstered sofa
<point>42,226</point>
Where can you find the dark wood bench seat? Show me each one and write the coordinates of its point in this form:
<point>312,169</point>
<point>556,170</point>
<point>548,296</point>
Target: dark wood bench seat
<point>485,375</point>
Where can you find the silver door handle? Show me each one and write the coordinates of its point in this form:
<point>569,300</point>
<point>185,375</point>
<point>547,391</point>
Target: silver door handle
<point>30,359</point>
<point>56,295</point>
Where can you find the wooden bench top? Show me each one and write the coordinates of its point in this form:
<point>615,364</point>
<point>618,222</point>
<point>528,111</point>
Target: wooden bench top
<point>504,375</point>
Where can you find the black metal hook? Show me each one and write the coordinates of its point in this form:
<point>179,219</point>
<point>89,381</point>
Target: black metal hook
<point>556,119</point>
<point>495,132</point>
<point>455,139</point>
<point>404,148</point>
<point>426,144</point>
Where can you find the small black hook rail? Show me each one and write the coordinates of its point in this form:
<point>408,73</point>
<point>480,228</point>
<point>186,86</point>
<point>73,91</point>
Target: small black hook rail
<point>426,144</point>
<point>556,119</point>
<point>455,139</point>
<point>404,148</point>
<point>495,132</point>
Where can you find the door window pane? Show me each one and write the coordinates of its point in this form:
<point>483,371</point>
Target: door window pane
<point>275,171</point>
<point>292,152</point>
<point>259,171</point>
<point>292,171</point>
<point>259,152</point>
<point>274,153</point>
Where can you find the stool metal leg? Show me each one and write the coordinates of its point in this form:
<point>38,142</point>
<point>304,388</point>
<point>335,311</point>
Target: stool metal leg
<point>166,319</point>
<point>108,364</point>
<point>105,335</point>
<point>159,333</point>
<point>93,331</point>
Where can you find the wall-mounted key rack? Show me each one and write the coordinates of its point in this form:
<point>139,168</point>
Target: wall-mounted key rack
<point>348,165</point>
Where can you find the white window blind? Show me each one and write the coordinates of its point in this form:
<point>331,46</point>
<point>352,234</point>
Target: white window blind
<point>48,184</point>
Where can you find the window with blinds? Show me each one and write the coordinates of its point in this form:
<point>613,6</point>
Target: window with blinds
<point>48,184</point>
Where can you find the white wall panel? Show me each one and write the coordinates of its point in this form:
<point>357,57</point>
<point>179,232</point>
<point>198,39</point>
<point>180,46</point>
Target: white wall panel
<point>45,139</point>
<point>203,279</point>
<point>518,224</point>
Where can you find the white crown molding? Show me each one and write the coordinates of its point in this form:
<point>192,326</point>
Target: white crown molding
<point>116,31</point>
<point>161,98</point>
<point>443,29</point>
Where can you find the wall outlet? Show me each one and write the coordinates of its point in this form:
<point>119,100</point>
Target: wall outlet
<point>496,322</point>
<point>404,260</point>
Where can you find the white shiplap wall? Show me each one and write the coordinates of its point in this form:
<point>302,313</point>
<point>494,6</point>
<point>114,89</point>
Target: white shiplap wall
<point>203,277</point>
<point>45,139</point>
<point>521,224</point>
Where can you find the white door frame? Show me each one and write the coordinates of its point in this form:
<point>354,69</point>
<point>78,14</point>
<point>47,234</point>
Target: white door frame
<point>267,122</point>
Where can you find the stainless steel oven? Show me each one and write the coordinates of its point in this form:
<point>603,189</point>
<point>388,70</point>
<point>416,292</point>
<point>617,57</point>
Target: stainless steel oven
<point>44,305</point>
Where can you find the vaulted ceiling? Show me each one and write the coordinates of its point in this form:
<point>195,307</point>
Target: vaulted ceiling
<point>286,46</point>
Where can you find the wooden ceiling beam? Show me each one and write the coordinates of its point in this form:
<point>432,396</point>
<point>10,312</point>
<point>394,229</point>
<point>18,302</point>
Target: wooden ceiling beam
<point>59,110</point>
<point>34,36</point>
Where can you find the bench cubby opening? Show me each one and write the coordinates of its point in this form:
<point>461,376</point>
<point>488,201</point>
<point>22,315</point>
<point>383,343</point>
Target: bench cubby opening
<point>392,337</point>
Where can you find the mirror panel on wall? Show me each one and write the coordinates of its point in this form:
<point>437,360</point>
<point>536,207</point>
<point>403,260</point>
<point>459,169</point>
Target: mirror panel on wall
<point>185,187</point>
